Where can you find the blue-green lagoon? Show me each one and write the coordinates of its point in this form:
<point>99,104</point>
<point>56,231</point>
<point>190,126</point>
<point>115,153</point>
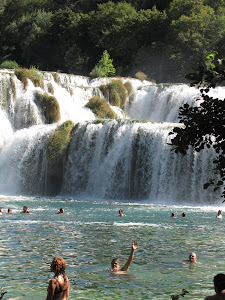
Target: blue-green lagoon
<point>90,233</point>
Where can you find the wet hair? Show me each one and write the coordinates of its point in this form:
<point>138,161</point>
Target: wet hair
<point>183,214</point>
<point>113,261</point>
<point>61,210</point>
<point>58,265</point>
<point>172,214</point>
<point>219,282</point>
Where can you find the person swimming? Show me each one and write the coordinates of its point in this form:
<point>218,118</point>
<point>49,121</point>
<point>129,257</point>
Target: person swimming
<point>61,211</point>
<point>121,214</point>
<point>219,214</point>
<point>58,288</point>
<point>115,263</point>
<point>173,215</point>
<point>192,258</point>
<point>25,210</point>
<point>219,286</point>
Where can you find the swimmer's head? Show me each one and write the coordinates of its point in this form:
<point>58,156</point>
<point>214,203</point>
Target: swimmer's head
<point>192,257</point>
<point>58,265</point>
<point>115,264</point>
<point>219,282</point>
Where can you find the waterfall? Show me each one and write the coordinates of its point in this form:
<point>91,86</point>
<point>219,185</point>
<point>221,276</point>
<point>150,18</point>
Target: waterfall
<point>121,159</point>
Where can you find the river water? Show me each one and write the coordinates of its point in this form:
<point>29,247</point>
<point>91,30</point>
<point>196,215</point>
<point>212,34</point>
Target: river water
<point>90,233</point>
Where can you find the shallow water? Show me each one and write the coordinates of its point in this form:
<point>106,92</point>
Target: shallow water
<point>90,233</point>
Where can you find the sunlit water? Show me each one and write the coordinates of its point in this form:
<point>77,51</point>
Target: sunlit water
<point>89,234</point>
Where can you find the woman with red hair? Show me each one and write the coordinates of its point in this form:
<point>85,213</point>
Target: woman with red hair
<point>58,288</point>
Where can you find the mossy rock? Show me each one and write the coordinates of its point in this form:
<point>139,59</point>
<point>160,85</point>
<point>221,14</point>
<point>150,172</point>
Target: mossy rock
<point>101,108</point>
<point>50,107</point>
<point>115,92</point>
<point>13,86</point>
<point>33,74</point>
<point>59,142</point>
<point>129,88</point>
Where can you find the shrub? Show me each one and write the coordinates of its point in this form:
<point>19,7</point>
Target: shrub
<point>104,67</point>
<point>9,64</point>
<point>33,74</point>
<point>141,76</point>
<point>100,108</point>
<point>36,77</point>
<point>50,107</point>
<point>58,142</point>
<point>115,92</point>
<point>23,74</point>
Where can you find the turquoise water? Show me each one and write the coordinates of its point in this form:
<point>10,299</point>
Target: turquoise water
<point>89,234</point>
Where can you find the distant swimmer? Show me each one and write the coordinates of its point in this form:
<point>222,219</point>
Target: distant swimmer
<point>183,215</point>
<point>9,210</point>
<point>192,259</point>
<point>0,211</point>
<point>219,287</point>
<point>219,214</point>
<point>173,215</point>
<point>58,288</point>
<point>61,211</point>
<point>25,210</point>
<point>115,263</point>
<point>121,214</point>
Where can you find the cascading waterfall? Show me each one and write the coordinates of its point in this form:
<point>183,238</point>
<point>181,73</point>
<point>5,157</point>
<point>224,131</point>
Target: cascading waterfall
<point>118,159</point>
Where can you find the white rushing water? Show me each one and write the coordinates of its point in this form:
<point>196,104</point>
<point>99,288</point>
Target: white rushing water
<point>118,159</point>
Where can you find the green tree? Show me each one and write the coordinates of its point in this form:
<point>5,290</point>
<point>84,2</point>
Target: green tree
<point>205,124</point>
<point>105,67</point>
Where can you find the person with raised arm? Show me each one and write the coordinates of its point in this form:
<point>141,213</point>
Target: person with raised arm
<point>115,263</point>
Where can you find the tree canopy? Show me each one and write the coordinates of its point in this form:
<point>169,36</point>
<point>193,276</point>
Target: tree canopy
<point>205,124</point>
<point>161,38</point>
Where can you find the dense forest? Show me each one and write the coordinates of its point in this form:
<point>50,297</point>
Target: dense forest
<point>162,38</point>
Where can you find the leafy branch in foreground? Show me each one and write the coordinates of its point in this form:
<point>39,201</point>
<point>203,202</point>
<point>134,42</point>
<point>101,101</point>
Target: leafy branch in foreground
<point>183,293</point>
<point>204,125</point>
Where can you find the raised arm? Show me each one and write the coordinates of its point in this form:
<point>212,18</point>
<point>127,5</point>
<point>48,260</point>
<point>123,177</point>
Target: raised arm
<point>131,257</point>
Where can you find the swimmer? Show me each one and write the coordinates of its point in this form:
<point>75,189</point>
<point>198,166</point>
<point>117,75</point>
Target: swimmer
<point>61,211</point>
<point>192,259</point>
<point>115,263</point>
<point>219,286</point>
<point>58,288</point>
<point>173,215</point>
<point>121,214</point>
<point>0,211</point>
<point>219,214</point>
<point>25,210</point>
<point>9,210</point>
<point>183,215</point>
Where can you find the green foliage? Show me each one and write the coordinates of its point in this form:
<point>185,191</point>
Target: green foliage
<point>23,74</point>
<point>37,77</point>
<point>101,108</point>
<point>141,76</point>
<point>9,64</point>
<point>33,74</point>
<point>204,125</point>
<point>104,68</point>
<point>50,107</point>
<point>115,92</point>
<point>58,142</point>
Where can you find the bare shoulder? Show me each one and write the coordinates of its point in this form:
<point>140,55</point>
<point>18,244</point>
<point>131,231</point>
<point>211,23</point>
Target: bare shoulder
<point>214,297</point>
